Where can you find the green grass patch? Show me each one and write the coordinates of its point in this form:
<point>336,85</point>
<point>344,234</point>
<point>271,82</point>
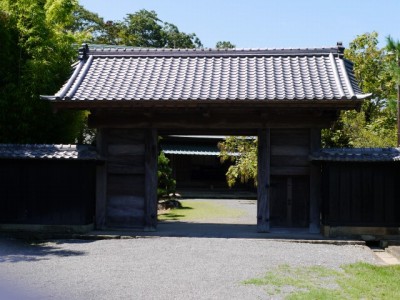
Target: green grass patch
<point>199,210</point>
<point>355,281</point>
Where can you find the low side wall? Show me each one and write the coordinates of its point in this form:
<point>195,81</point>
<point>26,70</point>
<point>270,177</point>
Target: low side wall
<point>47,192</point>
<point>360,198</point>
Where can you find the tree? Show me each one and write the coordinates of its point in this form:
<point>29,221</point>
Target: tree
<point>166,183</point>
<point>177,39</point>
<point>393,47</point>
<point>224,45</point>
<point>242,152</point>
<point>145,29</point>
<point>37,52</point>
<point>374,125</point>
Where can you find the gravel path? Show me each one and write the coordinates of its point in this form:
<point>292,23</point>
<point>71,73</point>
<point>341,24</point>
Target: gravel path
<point>156,268</point>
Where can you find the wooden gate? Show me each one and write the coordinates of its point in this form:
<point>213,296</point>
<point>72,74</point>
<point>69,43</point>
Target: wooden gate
<point>289,201</point>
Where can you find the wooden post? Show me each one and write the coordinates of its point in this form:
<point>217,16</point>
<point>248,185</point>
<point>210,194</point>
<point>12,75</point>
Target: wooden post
<point>101,182</point>
<point>150,198</point>
<point>315,183</point>
<point>289,201</point>
<point>263,179</point>
<point>398,108</point>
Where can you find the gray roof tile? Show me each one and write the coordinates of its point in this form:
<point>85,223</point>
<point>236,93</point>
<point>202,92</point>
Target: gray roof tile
<point>193,74</point>
<point>46,151</point>
<point>357,154</point>
<point>193,149</point>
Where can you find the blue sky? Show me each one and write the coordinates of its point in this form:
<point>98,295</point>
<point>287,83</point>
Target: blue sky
<point>267,23</point>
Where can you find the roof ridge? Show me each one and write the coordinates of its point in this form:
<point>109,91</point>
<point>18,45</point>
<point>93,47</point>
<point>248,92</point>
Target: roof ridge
<point>99,50</point>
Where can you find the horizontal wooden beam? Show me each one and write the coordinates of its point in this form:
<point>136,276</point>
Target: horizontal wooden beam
<point>290,171</point>
<point>189,120</point>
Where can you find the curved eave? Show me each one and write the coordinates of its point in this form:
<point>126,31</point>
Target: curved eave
<point>363,96</point>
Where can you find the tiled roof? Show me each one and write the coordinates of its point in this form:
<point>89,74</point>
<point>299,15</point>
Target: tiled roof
<point>357,154</point>
<point>42,151</point>
<point>185,149</point>
<point>206,74</point>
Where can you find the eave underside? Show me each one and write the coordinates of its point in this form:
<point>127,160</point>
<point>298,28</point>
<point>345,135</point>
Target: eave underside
<point>210,104</point>
<point>223,119</point>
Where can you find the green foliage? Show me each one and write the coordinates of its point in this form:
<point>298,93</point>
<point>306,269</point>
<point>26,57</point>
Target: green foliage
<point>224,45</point>
<point>145,29</point>
<point>375,124</point>
<point>354,281</point>
<point>37,38</point>
<point>393,48</point>
<point>36,54</point>
<point>140,29</point>
<point>166,184</point>
<point>242,152</point>
<point>177,39</point>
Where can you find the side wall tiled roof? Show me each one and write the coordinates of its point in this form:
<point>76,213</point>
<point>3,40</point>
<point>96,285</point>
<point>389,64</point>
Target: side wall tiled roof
<point>193,149</point>
<point>46,151</point>
<point>357,154</point>
<point>179,74</point>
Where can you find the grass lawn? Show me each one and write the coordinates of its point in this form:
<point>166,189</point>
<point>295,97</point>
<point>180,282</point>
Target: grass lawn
<point>199,210</point>
<point>355,281</point>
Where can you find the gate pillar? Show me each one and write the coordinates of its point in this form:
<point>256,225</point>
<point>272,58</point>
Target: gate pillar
<point>315,183</point>
<point>263,180</point>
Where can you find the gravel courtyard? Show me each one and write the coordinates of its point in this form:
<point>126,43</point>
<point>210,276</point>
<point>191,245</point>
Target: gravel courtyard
<point>156,268</point>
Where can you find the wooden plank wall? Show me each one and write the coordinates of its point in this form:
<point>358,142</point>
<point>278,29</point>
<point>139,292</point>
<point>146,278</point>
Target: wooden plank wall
<point>290,199</point>
<point>290,150</point>
<point>361,194</point>
<point>47,192</point>
<point>290,177</point>
<point>124,150</point>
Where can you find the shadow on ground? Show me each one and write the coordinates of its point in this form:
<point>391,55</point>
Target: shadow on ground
<point>14,250</point>
<point>213,230</point>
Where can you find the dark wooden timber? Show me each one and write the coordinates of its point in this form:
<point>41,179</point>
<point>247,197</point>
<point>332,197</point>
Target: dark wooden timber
<point>101,196</point>
<point>124,150</point>
<point>101,183</point>
<point>289,201</point>
<point>221,118</point>
<point>151,153</point>
<point>263,178</point>
<point>258,104</point>
<point>47,192</point>
<point>315,183</point>
<point>361,194</point>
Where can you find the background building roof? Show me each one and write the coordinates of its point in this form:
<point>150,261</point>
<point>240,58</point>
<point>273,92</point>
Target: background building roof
<point>215,75</point>
<point>43,151</point>
<point>357,154</point>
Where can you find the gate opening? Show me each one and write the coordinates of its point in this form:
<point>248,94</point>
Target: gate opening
<point>201,184</point>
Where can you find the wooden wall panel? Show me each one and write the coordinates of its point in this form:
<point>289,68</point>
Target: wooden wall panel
<point>132,165</point>
<point>124,135</point>
<point>124,150</point>
<point>290,149</point>
<point>289,201</point>
<point>361,194</point>
<point>125,211</point>
<point>47,192</point>
<point>125,184</point>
